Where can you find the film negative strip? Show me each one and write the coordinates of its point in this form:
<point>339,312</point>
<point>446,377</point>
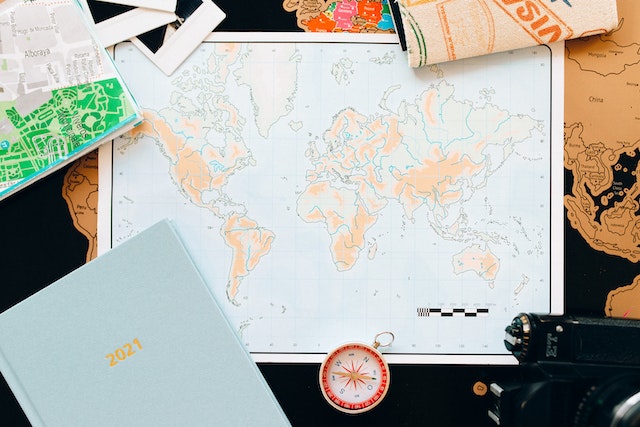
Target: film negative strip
<point>452,312</point>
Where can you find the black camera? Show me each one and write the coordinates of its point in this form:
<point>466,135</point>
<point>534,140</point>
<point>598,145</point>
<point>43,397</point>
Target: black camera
<point>574,372</point>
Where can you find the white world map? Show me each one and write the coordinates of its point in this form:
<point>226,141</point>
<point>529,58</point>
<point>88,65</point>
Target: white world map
<point>328,192</point>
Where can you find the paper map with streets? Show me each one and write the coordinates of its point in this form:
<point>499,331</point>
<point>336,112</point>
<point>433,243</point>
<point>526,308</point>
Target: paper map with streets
<point>59,91</point>
<point>328,192</point>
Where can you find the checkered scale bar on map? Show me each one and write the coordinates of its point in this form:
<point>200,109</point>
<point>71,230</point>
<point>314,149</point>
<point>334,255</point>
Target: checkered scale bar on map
<point>452,312</point>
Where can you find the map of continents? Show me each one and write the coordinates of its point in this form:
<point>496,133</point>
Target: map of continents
<point>327,190</point>
<point>372,162</point>
<point>602,147</point>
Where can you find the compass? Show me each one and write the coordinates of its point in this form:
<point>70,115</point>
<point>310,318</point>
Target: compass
<point>354,377</point>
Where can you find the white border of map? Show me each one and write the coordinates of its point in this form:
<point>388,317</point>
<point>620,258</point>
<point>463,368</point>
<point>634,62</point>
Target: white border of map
<point>557,223</point>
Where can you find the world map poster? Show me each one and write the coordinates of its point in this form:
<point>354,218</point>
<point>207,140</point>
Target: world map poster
<point>328,192</point>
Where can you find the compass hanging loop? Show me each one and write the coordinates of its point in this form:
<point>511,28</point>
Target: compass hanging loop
<point>386,341</point>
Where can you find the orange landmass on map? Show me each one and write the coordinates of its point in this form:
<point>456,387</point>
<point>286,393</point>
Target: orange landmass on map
<point>80,191</point>
<point>370,161</point>
<point>345,216</point>
<point>249,243</point>
<point>191,167</point>
<point>479,260</point>
<point>200,171</point>
<point>623,302</point>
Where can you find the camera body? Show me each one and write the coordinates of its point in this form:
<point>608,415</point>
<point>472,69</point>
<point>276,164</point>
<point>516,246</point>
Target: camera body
<point>574,372</point>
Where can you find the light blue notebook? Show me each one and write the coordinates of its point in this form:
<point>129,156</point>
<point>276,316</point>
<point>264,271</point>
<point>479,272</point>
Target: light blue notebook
<point>133,338</point>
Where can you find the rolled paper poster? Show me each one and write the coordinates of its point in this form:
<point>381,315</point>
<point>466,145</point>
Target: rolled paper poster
<point>444,30</point>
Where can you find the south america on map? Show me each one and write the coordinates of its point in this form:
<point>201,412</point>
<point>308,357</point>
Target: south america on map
<point>329,192</point>
<point>602,152</point>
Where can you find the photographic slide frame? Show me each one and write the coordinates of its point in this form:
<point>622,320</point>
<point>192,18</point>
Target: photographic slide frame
<point>115,23</point>
<point>169,46</point>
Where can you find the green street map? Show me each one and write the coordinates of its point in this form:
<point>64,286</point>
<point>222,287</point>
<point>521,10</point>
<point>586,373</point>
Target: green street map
<point>60,94</point>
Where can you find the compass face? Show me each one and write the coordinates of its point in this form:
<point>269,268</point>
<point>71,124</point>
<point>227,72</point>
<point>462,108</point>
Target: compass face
<point>354,378</point>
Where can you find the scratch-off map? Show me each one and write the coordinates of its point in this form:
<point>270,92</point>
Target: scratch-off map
<point>328,192</point>
<point>602,161</point>
<point>361,16</point>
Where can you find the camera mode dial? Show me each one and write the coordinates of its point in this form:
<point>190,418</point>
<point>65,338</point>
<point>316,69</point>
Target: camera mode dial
<point>517,337</point>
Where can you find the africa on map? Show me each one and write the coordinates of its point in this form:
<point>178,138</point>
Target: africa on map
<point>328,192</point>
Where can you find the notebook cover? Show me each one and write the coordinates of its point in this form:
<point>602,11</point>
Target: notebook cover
<point>133,338</point>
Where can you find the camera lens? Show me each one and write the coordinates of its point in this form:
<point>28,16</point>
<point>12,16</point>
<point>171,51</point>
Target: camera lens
<point>615,403</point>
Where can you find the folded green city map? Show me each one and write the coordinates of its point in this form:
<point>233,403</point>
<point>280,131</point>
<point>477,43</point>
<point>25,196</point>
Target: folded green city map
<point>60,93</point>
